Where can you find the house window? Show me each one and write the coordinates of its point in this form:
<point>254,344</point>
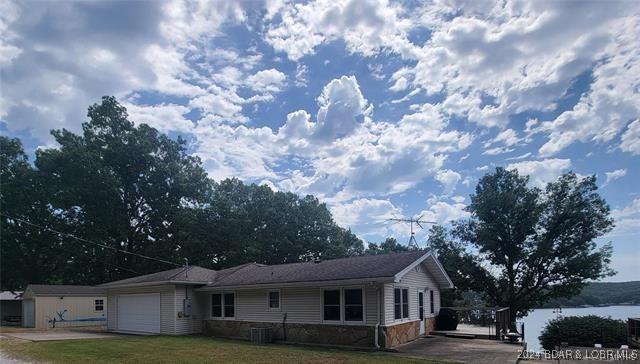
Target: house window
<point>431,301</point>
<point>274,300</point>
<point>401,303</point>
<point>99,305</point>
<point>216,305</point>
<point>331,302</point>
<point>353,305</point>
<point>229,305</point>
<point>405,303</point>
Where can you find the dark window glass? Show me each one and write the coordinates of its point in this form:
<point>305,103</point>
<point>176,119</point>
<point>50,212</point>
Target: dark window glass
<point>397,304</point>
<point>353,310</point>
<point>405,303</point>
<point>421,305</point>
<point>229,305</point>
<point>332,305</point>
<point>99,305</point>
<point>431,301</point>
<point>216,305</point>
<point>274,299</point>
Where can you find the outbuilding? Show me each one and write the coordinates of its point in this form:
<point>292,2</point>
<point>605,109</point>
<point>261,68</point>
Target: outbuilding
<point>46,306</point>
<point>11,308</point>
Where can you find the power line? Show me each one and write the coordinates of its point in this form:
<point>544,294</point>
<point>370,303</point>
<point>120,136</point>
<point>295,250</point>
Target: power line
<point>89,241</point>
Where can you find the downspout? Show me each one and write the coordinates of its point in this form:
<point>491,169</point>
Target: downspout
<point>381,303</point>
<point>377,315</point>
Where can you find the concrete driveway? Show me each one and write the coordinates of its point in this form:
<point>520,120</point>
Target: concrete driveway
<point>461,350</point>
<point>54,335</point>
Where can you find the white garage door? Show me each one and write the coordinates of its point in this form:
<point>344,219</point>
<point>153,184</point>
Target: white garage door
<point>139,312</point>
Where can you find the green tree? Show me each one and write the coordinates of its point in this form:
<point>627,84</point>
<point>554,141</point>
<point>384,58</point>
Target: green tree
<point>523,246</point>
<point>251,223</point>
<point>390,245</point>
<point>28,254</point>
<point>130,188</point>
<point>127,186</point>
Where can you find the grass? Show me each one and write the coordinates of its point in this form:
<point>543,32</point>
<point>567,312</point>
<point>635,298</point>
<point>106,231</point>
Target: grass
<point>185,349</point>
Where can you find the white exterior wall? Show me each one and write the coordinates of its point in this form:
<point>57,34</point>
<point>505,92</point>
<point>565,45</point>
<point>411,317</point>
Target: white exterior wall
<point>417,279</point>
<point>301,304</point>
<point>167,306</point>
<point>193,323</point>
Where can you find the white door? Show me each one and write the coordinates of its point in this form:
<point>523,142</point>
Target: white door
<point>28,313</point>
<point>139,313</point>
<point>421,311</point>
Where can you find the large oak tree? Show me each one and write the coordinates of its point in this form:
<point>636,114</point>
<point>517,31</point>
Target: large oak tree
<point>522,245</point>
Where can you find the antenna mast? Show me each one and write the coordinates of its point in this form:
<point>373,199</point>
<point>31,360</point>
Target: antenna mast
<point>413,244</point>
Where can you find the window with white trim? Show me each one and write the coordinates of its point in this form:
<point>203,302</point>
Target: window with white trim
<point>223,305</point>
<point>353,304</point>
<point>99,305</point>
<point>401,303</point>
<point>273,299</point>
<point>331,305</point>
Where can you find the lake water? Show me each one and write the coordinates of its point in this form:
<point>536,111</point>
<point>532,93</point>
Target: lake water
<point>536,320</point>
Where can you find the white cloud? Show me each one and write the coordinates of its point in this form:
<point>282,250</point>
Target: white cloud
<point>627,218</point>
<point>267,81</point>
<point>631,138</point>
<point>164,117</point>
<point>614,175</point>
<point>449,180</point>
<point>367,26</point>
<point>543,171</point>
<point>442,212</point>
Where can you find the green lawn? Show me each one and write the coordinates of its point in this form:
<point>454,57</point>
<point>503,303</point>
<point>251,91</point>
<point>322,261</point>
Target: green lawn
<point>185,349</point>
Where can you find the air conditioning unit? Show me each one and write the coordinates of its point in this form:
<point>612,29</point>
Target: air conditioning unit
<point>261,335</point>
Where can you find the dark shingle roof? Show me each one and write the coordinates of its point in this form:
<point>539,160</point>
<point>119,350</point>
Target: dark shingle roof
<point>60,289</point>
<point>361,267</point>
<point>193,274</point>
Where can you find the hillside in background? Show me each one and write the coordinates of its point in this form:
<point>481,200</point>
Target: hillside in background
<point>602,293</point>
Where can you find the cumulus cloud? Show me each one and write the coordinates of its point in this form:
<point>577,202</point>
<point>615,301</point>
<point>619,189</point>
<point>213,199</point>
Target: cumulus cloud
<point>449,179</point>
<point>367,26</point>
<point>543,171</point>
<point>627,218</point>
<point>631,138</point>
<point>614,175</point>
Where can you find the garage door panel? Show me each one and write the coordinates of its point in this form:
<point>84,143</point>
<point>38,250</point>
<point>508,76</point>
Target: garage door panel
<point>139,312</point>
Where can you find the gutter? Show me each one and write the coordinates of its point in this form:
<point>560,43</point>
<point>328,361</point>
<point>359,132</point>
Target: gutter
<point>301,283</point>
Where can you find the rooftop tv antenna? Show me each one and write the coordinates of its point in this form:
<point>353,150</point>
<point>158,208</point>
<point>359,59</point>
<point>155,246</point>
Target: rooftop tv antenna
<point>413,244</point>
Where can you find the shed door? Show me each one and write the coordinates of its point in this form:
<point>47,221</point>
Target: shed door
<point>139,312</point>
<point>28,313</point>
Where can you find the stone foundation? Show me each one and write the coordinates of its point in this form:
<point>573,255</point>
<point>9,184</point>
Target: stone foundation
<point>429,324</point>
<point>348,335</point>
<point>401,333</point>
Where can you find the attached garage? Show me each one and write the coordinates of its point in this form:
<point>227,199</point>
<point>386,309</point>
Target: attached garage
<point>161,303</point>
<point>139,313</point>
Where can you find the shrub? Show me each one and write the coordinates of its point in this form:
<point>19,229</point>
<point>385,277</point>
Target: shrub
<point>584,331</point>
<point>447,319</point>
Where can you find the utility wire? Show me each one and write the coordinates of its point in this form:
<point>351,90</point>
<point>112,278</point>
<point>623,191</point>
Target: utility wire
<point>89,241</point>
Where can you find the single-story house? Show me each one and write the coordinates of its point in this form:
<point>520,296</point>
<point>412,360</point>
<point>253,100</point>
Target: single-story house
<point>367,301</point>
<point>10,308</point>
<point>46,306</point>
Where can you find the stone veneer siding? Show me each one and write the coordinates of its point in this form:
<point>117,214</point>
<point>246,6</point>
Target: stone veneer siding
<point>429,324</point>
<point>401,333</point>
<point>349,335</point>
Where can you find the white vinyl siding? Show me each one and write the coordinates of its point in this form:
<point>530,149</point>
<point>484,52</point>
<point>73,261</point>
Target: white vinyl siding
<point>417,278</point>
<point>301,305</point>
<point>193,323</point>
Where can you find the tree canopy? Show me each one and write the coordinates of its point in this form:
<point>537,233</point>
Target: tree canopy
<point>128,191</point>
<point>523,246</point>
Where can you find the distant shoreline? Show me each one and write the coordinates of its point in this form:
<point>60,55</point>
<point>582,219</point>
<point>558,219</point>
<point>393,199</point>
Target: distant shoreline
<point>589,306</point>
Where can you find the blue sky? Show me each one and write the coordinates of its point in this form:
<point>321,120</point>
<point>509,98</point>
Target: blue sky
<point>381,109</point>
